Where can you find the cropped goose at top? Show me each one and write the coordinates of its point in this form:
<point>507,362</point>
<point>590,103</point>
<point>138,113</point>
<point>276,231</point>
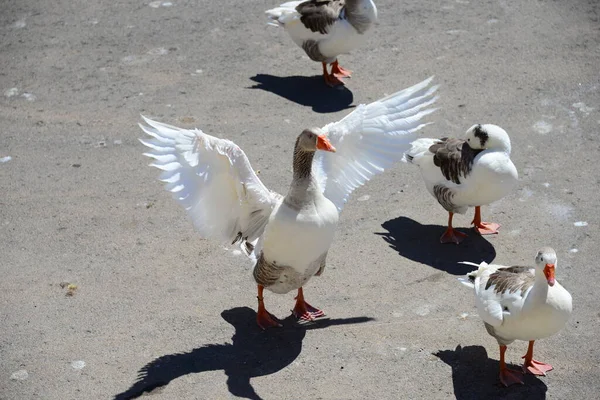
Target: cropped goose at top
<point>324,29</point>
<point>288,236</point>
<point>469,172</point>
<point>520,303</point>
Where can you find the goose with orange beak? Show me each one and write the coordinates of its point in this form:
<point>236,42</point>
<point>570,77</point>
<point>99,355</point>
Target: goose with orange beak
<point>287,237</point>
<point>520,303</point>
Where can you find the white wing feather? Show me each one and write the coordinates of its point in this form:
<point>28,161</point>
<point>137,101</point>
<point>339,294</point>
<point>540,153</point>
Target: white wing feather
<point>371,139</point>
<point>212,179</point>
<point>489,304</point>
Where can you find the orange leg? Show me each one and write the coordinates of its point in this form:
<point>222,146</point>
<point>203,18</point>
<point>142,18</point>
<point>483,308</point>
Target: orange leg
<point>508,376</point>
<point>304,311</point>
<point>340,72</point>
<point>452,235</point>
<point>330,79</point>
<point>532,366</point>
<point>484,228</point>
<point>263,318</point>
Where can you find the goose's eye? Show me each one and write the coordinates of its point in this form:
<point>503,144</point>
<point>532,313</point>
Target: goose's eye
<point>469,139</point>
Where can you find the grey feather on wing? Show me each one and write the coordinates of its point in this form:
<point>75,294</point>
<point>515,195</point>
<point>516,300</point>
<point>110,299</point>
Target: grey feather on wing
<point>319,15</point>
<point>511,279</point>
<point>454,157</point>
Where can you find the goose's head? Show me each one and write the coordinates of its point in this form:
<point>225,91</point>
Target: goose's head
<point>313,139</point>
<point>545,260</point>
<point>488,136</point>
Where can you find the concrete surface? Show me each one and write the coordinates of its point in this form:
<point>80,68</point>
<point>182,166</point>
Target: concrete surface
<point>156,310</point>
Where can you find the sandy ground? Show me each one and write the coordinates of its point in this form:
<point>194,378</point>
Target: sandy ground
<point>157,311</point>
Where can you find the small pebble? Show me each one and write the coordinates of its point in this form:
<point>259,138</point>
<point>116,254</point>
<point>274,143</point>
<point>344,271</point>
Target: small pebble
<point>79,364</point>
<point>11,92</point>
<point>159,51</point>
<point>573,250</point>
<point>29,96</point>
<point>464,315</point>
<point>20,24</point>
<point>5,159</point>
<point>580,223</point>
<point>364,198</point>
<point>20,375</point>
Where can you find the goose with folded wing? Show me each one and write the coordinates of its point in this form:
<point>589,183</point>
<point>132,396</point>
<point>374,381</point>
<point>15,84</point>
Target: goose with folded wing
<point>324,29</point>
<point>470,172</point>
<point>520,303</point>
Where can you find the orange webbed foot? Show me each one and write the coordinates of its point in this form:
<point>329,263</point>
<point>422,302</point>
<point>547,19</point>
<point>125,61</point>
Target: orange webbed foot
<point>510,377</point>
<point>452,236</point>
<point>266,320</point>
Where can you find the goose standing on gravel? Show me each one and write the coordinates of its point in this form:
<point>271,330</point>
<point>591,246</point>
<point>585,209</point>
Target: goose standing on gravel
<point>288,236</point>
<point>324,29</point>
<point>520,303</point>
<point>470,172</point>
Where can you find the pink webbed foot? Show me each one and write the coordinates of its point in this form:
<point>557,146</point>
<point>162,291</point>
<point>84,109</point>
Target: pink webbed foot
<point>536,367</point>
<point>486,228</point>
<point>303,311</point>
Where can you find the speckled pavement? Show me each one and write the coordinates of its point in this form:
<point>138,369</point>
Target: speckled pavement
<point>106,292</point>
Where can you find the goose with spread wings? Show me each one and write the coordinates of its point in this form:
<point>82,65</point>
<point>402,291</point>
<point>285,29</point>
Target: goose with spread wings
<point>289,235</point>
<point>324,29</point>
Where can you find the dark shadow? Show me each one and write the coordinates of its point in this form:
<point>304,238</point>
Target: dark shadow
<point>475,377</point>
<point>421,243</point>
<point>308,91</point>
<point>252,353</point>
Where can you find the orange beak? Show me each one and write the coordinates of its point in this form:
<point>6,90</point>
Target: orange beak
<point>549,272</point>
<point>323,144</point>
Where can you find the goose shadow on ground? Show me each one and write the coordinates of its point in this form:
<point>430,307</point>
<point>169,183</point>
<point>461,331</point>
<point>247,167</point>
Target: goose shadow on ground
<point>308,91</point>
<point>421,243</point>
<point>475,376</point>
<point>251,353</point>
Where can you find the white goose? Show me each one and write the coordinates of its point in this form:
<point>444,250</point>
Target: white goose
<point>288,236</point>
<point>470,172</point>
<point>520,303</point>
<point>324,29</point>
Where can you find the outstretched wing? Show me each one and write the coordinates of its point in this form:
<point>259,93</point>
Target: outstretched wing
<point>371,139</point>
<point>213,180</point>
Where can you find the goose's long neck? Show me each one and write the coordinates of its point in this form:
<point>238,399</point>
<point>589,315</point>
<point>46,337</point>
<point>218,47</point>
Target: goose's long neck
<point>539,291</point>
<point>304,185</point>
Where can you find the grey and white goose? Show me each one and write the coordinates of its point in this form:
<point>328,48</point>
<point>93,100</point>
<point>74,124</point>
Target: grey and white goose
<point>520,303</point>
<point>288,236</point>
<point>324,29</point>
<point>469,172</point>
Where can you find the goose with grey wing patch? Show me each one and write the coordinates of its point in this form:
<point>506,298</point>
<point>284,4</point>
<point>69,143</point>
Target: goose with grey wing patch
<point>324,29</point>
<point>466,172</point>
<point>520,303</point>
